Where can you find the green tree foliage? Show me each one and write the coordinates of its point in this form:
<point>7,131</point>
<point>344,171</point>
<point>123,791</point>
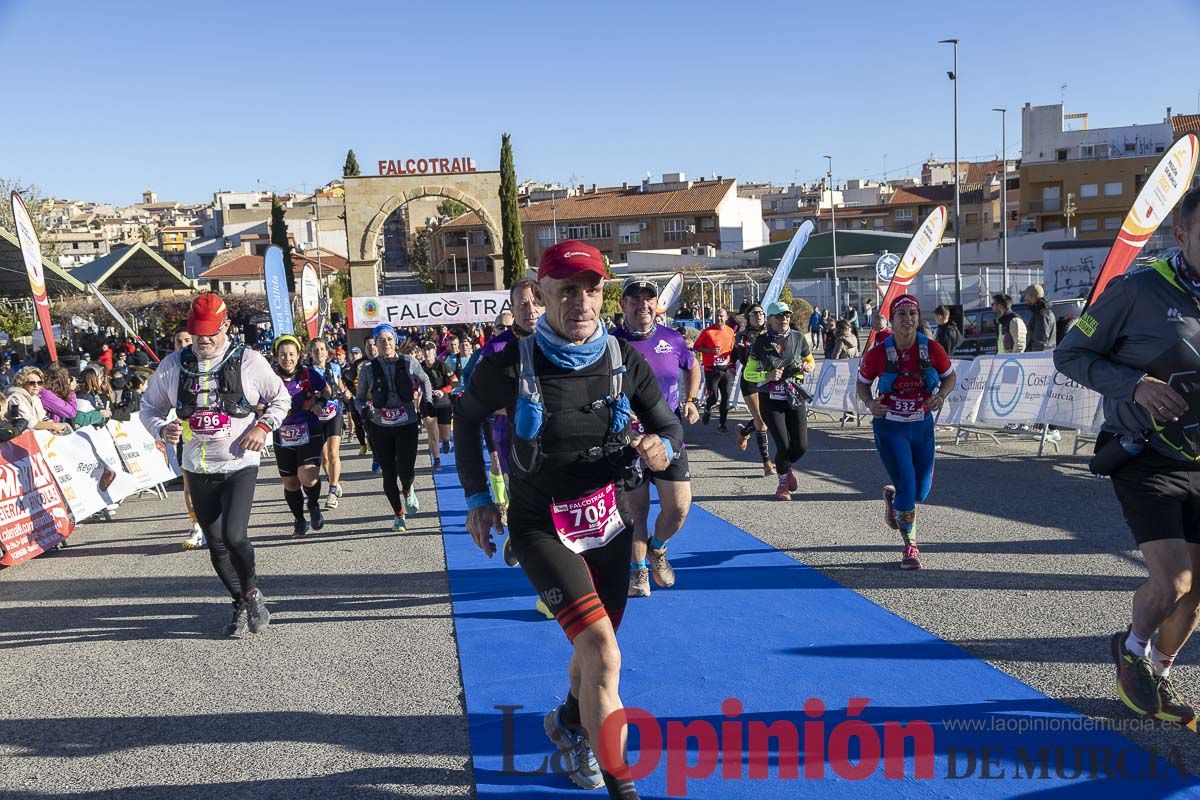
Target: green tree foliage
<point>418,259</point>
<point>510,217</point>
<point>612,298</point>
<point>279,236</point>
<point>32,196</point>
<point>17,319</point>
<point>350,168</point>
<point>451,208</point>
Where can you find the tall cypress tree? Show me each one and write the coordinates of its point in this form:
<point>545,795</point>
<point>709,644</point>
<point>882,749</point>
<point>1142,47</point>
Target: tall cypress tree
<point>279,236</point>
<point>350,168</point>
<point>510,216</point>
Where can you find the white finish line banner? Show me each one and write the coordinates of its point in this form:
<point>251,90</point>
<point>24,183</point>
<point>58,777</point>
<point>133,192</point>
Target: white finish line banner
<point>432,308</point>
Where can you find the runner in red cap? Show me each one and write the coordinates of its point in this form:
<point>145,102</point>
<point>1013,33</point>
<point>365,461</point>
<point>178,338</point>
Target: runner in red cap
<point>570,391</point>
<point>915,376</point>
<point>206,394</point>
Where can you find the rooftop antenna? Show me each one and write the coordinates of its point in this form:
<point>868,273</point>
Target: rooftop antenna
<point>1062,95</point>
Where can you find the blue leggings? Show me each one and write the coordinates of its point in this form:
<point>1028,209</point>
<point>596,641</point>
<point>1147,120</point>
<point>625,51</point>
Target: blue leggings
<point>906,449</point>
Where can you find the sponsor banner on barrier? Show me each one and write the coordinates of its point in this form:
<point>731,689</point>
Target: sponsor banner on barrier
<point>1015,389</point>
<point>1068,404</point>
<point>144,458</point>
<point>79,472</point>
<point>33,514</point>
<point>432,308</point>
<point>836,386</point>
<point>962,404</point>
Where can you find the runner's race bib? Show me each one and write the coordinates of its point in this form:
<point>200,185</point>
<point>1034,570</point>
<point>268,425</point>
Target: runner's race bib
<point>293,436</point>
<point>210,424</point>
<point>327,412</point>
<point>905,409</point>
<point>778,391</point>
<point>721,361</point>
<point>393,416</point>
<point>589,522</point>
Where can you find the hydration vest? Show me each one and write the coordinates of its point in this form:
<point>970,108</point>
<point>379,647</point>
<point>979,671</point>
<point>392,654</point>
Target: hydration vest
<point>891,372</point>
<point>230,398</point>
<point>402,384</point>
<point>526,454</point>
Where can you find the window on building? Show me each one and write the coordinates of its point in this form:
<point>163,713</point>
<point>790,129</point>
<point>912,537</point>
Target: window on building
<point>675,230</point>
<point>878,223</point>
<point>972,218</point>
<point>1061,155</point>
<point>1140,180</point>
<point>1112,223</point>
<point>1131,147</point>
<point>1089,190</point>
<point>236,206</point>
<point>74,245</point>
<point>629,233</point>
<point>1087,151</point>
<point>545,234</point>
<point>1113,189</point>
<point>708,223</point>
<point>594,230</point>
<point>904,215</point>
<point>1087,225</point>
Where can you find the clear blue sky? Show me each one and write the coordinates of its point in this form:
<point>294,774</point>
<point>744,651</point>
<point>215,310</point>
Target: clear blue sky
<point>107,98</point>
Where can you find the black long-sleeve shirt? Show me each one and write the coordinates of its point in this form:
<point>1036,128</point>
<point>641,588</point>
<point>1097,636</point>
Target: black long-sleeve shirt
<point>566,428</point>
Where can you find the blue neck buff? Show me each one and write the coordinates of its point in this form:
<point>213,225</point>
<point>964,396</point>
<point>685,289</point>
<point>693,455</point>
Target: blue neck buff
<point>566,355</point>
<point>1186,274</point>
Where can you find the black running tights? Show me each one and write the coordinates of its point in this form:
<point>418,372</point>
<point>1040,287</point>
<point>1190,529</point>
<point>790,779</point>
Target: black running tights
<point>222,505</point>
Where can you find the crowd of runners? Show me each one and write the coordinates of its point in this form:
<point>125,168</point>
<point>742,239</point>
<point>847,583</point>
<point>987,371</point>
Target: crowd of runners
<point>560,425</point>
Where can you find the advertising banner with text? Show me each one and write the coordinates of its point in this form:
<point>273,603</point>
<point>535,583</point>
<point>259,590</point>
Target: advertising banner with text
<point>432,308</point>
<point>33,514</point>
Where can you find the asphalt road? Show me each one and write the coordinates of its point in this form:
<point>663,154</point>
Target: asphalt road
<point>117,686</point>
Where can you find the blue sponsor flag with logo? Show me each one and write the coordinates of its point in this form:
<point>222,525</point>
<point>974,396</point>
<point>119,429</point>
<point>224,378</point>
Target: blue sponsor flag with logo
<point>784,270</point>
<point>278,300</point>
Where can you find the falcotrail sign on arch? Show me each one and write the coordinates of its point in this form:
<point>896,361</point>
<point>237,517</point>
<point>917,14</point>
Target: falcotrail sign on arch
<point>433,308</point>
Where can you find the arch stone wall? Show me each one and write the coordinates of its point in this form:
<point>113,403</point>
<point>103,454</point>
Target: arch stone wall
<point>371,199</point>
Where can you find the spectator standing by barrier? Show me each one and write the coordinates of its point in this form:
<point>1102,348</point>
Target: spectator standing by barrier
<point>25,403</point>
<point>1010,328</point>
<point>1043,327</point>
<point>948,334</point>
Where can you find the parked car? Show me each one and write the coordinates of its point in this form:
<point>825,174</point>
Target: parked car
<point>979,326</point>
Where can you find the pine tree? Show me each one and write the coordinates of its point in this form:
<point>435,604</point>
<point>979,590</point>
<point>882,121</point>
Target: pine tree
<point>510,216</point>
<point>350,168</point>
<point>279,236</point>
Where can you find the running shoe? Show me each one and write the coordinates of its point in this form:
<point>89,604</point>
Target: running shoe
<point>1174,708</point>
<point>543,609</point>
<point>375,467</point>
<point>399,525</point>
<point>258,616</point>
<point>437,464</point>
<point>793,484</point>
<point>316,518</point>
<point>661,569</point>
<point>768,468</point>
<point>237,625</point>
<point>889,507</point>
<point>743,432</point>
<point>196,541</point>
<point>639,583</point>
<point>1135,681</point>
<point>781,491</point>
<point>911,558</point>
<point>706,414</point>
<point>362,449</point>
<point>721,428</point>
<point>333,498</point>
<point>299,529</point>
<point>582,766</point>
<point>445,447</point>
<point>510,557</point>
<point>411,502</point>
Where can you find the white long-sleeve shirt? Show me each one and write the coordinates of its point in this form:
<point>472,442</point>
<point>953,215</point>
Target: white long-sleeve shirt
<point>217,453</point>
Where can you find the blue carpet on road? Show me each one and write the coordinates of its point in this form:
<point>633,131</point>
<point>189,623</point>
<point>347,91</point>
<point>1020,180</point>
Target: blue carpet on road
<point>748,622</point>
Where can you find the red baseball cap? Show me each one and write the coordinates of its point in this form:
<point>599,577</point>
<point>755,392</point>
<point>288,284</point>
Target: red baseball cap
<point>570,258</point>
<point>206,315</point>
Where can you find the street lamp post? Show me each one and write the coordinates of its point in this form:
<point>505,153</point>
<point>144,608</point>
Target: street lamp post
<point>957,230</point>
<point>837,289</point>
<point>467,240</point>
<point>1003,199</point>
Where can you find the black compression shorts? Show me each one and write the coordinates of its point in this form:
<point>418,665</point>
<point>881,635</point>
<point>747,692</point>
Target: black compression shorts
<point>579,590</point>
<point>1160,497</point>
<point>333,427</point>
<point>444,413</point>
<point>677,472</point>
<point>749,388</point>
<point>290,459</point>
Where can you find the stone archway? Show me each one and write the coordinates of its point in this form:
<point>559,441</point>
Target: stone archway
<point>370,200</point>
<point>370,237</point>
